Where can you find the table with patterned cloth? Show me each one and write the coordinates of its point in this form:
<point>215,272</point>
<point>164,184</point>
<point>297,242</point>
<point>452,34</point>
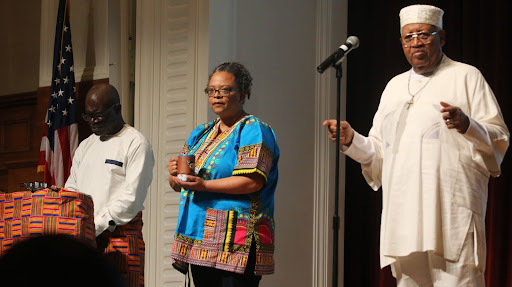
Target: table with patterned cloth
<point>47,211</point>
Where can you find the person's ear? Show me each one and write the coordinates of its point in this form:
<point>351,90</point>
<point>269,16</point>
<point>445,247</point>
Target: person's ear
<point>242,97</point>
<point>442,37</point>
<point>117,109</point>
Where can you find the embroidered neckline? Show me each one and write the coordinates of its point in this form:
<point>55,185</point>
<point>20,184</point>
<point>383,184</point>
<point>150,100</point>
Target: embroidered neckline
<point>213,139</point>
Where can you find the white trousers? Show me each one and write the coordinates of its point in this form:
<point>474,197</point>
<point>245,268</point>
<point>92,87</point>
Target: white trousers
<point>426,269</point>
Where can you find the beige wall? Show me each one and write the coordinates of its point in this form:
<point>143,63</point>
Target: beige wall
<point>28,33</point>
<point>89,36</point>
<point>20,23</point>
<point>281,43</point>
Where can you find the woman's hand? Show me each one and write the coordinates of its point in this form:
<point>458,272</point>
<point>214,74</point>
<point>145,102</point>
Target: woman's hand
<point>172,166</point>
<point>193,183</point>
<point>239,184</point>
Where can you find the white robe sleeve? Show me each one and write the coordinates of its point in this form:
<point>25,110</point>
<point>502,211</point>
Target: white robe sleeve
<point>487,134</point>
<point>367,152</point>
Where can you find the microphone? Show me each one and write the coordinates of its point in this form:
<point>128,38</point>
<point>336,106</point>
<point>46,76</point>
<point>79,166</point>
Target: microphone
<point>340,53</point>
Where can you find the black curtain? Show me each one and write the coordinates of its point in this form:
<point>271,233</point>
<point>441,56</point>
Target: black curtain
<point>477,34</point>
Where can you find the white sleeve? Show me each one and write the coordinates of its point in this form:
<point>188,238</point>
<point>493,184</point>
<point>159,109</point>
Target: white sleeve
<point>487,133</point>
<point>365,151</point>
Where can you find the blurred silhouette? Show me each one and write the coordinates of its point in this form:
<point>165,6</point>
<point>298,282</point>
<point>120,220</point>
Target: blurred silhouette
<point>56,260</point>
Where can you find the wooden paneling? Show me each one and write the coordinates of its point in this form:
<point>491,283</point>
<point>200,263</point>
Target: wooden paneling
<point>15,136</point>
<point>20,172</point>
<point>18,114</point>
<point>17,118</point>
<point>22,120</point>
<point>19,140</point>
<point>3,180</point>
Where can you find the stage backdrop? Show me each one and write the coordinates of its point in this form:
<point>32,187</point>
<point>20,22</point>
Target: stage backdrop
<point>477,34</point>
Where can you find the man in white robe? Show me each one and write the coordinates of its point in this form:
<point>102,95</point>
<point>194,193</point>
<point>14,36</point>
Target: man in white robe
<point>437,136</point>
<point>115,167</point>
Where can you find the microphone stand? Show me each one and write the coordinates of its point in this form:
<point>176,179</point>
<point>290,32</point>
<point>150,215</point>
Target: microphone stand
<point>336,217</point>
<point>335,60</point>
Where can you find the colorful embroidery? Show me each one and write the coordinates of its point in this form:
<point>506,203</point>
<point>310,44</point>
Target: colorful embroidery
<point>218,229</point>
<point>254,158</point>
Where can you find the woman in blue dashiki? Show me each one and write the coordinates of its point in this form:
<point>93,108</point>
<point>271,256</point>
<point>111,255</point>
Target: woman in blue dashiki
<point>225,228</point>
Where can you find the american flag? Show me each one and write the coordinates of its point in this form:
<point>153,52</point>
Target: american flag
<point>60,136</point>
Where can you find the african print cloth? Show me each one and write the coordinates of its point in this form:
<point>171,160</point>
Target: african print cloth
<point>47,211</point>
<point>217,229</point>
<point>125,248</point>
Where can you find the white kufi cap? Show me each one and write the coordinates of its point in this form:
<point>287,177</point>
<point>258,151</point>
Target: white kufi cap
<point>423,14</point>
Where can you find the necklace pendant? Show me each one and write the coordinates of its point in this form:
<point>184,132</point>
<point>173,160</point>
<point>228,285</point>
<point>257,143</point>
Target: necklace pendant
<point>409,103</point>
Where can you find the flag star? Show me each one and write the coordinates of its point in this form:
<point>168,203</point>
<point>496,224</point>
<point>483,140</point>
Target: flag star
<point>70,100</point>
<point>62,60</point>
<point>65,28</point>
<point>74,89</point>
<point>57,81</point>
<point>49,123</point>
<point>68,48</point>
<point>54,95</point>
<point>66,80</point>
<point>64,112</point>
<point>52,109</point>
<point>61,93</point>
<point>72,68</point>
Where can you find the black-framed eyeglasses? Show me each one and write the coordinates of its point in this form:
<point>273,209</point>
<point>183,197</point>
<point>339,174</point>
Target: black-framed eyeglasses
<point>97,116</point>
<point>225,92</point>
<point>422,36</point>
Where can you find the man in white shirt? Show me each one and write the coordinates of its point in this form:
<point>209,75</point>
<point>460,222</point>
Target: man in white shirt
<point>115,167</point>
<point>437,136</point>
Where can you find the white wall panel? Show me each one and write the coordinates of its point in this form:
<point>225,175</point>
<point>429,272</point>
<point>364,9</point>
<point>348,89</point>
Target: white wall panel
<point>171,70</point>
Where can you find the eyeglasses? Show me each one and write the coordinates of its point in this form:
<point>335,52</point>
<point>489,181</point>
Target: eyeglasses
<point>423,37</point>
<point>224,92</point>
<point>97,116</point>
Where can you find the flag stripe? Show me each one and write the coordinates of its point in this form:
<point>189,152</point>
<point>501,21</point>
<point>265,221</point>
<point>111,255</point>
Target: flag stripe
<point>63,136</point>
<point>58,173</point>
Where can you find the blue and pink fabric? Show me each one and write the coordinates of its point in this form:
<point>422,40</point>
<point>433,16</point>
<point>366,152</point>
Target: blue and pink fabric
<point>217,229</point>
